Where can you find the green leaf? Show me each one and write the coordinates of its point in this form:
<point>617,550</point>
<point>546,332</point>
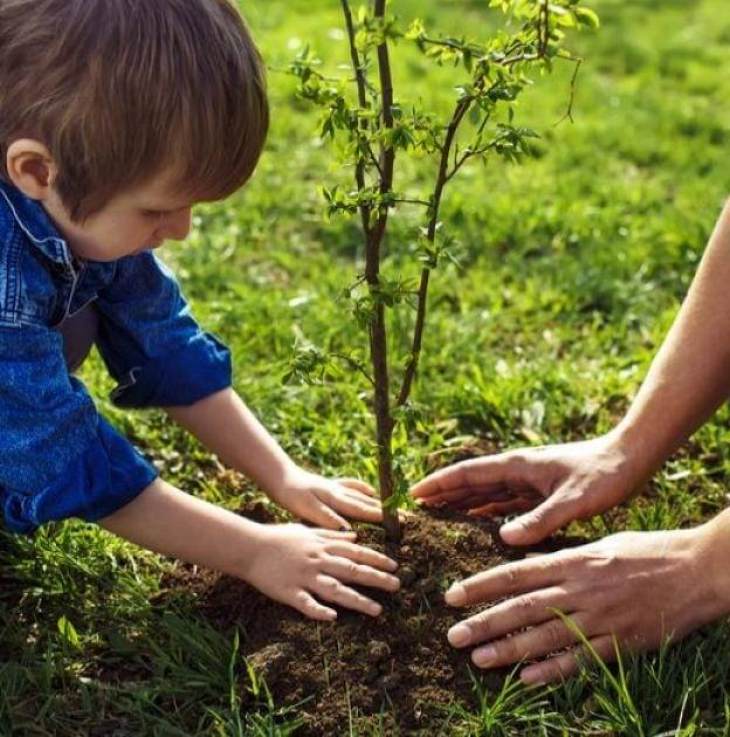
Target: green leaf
<point>68,633</point>
<point>587,17</point>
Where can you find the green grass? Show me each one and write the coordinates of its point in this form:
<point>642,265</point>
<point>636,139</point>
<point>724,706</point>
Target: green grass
<point>574,267</point>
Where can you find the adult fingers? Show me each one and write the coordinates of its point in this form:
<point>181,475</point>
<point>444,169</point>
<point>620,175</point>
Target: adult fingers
<point>501,509</point>
<point>363,555</point>
<point>567,664</point>
<point>350,572</point>
<point>455,497</point>
<point>510,578</point>
<point>558,510</point>
<point>358,485</point>
<point>330,589</point>
<point>476,473</point>
<point>471,502</point>
<point>541,640</point>
<point>310,607</point>
<point>511,616</point>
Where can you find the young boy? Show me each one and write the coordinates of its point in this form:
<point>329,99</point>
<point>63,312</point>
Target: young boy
<point>115,117</point>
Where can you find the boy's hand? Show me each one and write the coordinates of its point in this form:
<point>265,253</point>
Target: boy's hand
<point>297,565</point>
<point>324,501</point>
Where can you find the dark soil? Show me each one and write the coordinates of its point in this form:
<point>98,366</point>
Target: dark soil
<point>399,665</point>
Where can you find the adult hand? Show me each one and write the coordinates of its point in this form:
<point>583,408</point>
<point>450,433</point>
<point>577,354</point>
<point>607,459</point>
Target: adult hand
<point>640,587</point>
<point>553,485</point>
<point>300,566</point>
<point>326,502</point>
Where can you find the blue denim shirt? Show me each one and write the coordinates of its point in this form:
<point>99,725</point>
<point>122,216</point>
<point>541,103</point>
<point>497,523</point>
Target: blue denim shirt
<point>58,457</point>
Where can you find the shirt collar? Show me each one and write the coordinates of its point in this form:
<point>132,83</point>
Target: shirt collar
<point>33,220</point>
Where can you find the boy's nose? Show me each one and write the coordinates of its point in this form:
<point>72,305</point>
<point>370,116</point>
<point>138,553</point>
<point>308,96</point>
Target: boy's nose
<point>177,224</point>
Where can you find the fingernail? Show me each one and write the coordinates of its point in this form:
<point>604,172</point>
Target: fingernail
<point>533,677</point>
<point>508,527</point>
<point>484,656</point>
<point>456,595</point>
<point>459,635</point>
<point>376,610</point>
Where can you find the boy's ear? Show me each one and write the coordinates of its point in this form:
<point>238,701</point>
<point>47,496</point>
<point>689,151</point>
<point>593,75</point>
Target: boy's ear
<point>31,168</point>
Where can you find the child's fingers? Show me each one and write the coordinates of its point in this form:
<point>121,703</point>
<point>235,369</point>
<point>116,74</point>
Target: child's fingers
<point>330,589</point>
<point>360,554</point>
<point>337,534</point>
<point>324,516</point>
<point>357,485</point>
<point>362,499</point>
<point>354,508</point>
<point>310,607</point>
<point>362,575</point>
<point>365,502</point>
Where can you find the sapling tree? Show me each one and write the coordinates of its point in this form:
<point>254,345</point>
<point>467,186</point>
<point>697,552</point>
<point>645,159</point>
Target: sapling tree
<point>378,127</point>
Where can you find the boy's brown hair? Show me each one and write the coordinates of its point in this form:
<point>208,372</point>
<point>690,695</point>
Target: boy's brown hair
<point>119,90</point>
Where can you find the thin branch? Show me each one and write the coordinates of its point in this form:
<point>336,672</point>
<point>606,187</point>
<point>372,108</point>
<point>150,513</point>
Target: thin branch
<point>470,153</point>
<point>386,88</point>
<point>289,72</point>
<point>573,87</point>
<point>544,27</point>
<point>449,43</point>
<point>408,201</point>
<point>505,61</point>
<point>373,158</point>
<point>355,56</point>
<point>483,124</point>
<point>363,100</point>
<point>352,363</point>
<point>445,176</point>
<point>462,108</point>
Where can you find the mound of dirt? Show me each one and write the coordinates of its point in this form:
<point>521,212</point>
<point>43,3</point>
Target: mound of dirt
<point>399,665</point>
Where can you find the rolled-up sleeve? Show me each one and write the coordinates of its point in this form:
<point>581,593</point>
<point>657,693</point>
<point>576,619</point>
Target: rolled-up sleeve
<point>58,457</point>
<point>150,342</point>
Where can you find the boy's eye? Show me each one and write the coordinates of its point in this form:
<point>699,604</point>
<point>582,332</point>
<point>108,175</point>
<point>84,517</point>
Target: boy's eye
<point>153,214</point>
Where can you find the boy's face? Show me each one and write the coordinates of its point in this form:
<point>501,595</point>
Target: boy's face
<point>134,221</point>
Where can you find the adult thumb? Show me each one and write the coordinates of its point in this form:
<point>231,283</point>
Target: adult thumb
<point>534,526</point>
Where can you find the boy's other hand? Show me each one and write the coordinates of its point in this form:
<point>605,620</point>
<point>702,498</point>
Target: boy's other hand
<point>550,486</point>
<point>301,567</point>
<point>326,502</point>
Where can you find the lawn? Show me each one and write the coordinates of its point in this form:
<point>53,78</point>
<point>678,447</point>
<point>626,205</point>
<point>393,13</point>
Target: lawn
<point>571,269</point>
